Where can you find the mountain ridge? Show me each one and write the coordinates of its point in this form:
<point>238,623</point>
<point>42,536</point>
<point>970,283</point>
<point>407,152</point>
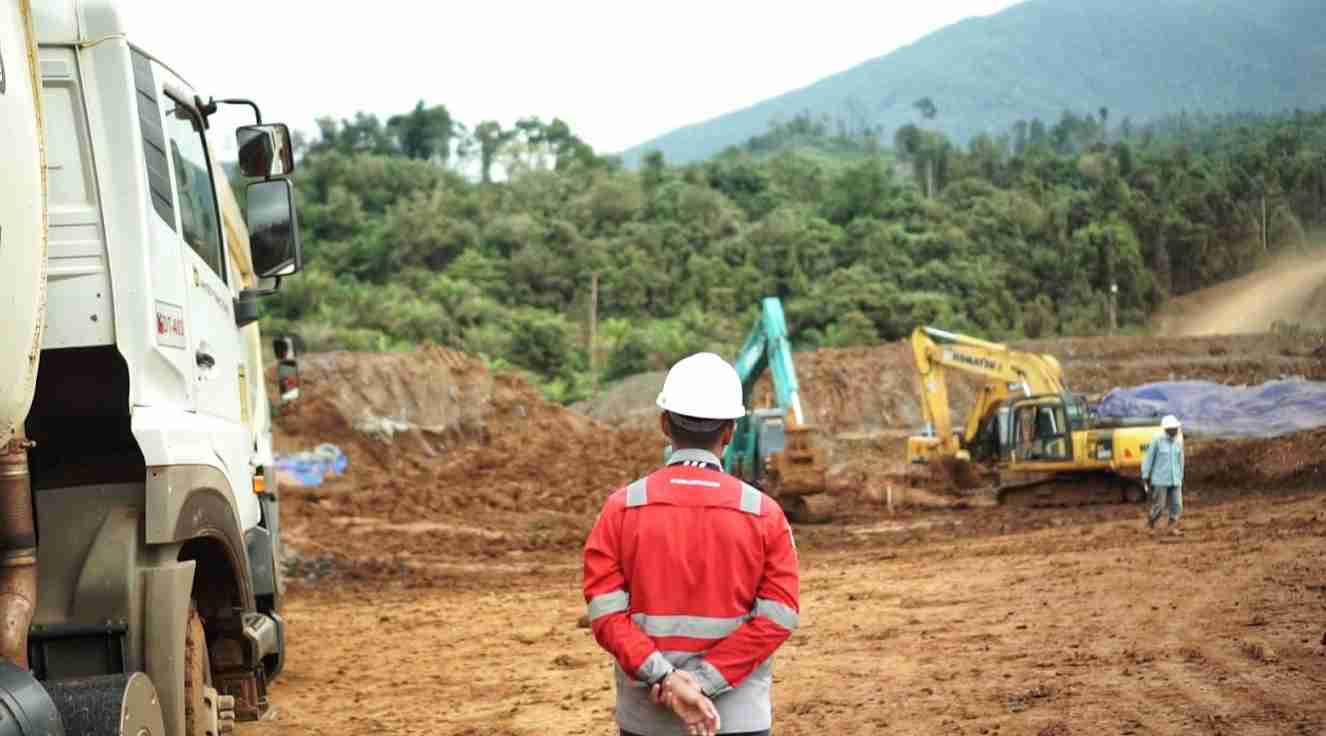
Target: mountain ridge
<point>1136,58</point>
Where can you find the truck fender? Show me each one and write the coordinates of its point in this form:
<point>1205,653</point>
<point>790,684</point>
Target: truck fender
<point>187,502</point>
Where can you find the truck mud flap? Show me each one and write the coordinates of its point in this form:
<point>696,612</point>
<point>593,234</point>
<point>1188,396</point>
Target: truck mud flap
<point>262,561</point>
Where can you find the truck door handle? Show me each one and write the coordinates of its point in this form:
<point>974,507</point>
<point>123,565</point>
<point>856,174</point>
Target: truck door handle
<point>205,360</point>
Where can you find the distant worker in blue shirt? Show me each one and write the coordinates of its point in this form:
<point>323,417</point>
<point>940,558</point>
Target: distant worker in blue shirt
<point>1162,474</point>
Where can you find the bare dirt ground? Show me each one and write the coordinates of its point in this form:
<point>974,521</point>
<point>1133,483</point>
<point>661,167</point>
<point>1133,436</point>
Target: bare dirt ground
<point>435,588</point>
<point>1044,623</point>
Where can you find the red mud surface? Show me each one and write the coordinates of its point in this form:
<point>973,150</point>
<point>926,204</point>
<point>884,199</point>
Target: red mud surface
<point>434,589</point>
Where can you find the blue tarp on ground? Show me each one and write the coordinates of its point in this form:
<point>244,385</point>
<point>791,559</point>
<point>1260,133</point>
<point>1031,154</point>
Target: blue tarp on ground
<point>311,468</point>
<point>1215,410</point>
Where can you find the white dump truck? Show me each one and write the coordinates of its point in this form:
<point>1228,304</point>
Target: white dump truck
<point>139,527</point>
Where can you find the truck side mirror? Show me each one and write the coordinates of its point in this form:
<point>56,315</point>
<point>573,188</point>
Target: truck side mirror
<point>273,228</point>
<point>265,150</point>
<point>287,379</point>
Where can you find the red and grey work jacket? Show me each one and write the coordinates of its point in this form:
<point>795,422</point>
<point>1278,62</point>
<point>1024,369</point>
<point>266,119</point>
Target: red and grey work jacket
<point>689,568</point>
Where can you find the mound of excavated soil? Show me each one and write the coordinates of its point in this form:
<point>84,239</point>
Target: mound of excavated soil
<point>859,389</point>
<point>871,390</point>
<point>626,403</point>
<point>872,473</point>
<point>446,460</point>
<point>388,409</point>
<point>850,390</point>
<point>1291,462</point>
<point>451,463</point>
<point>865,402</point>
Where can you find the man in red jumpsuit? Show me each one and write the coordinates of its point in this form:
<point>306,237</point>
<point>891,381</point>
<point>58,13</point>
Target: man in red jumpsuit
<point>691,574</point>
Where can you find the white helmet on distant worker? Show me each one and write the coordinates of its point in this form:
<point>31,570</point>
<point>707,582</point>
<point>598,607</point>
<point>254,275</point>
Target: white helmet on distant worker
<point>1169,422</point>
<point>703,386</point>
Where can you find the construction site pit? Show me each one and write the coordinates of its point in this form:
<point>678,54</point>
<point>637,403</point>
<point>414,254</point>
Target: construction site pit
<point>434,588</point>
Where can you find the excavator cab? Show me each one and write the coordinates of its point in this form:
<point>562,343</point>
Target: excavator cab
<point>760,435</point>
<point>1040,431</point>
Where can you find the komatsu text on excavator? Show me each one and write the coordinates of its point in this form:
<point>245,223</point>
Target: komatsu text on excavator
<point>1039,443</point>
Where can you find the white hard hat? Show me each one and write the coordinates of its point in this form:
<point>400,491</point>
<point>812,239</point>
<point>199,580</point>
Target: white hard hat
<point>703,386</point>
<point>1169,422</point>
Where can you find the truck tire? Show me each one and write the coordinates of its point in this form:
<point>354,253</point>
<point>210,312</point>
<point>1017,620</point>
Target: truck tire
<point>206,713</point>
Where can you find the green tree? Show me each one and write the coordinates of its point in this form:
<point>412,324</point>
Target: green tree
<point>542,342</point>
<point>1013,234</point>
<point>491,138</point>
<point>424,133</point>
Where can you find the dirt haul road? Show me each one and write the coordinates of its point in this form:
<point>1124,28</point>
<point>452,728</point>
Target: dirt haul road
<point>969,623</point>
<point>1293,291</point>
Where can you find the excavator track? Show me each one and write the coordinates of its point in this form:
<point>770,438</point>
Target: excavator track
<point>1081,489</point>
<point>810,508</point>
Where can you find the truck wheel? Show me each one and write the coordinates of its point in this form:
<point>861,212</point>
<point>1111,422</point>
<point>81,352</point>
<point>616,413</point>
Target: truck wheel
<point>206,712</point>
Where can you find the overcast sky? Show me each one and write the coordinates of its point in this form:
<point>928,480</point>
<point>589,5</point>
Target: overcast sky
<point>618,72</point>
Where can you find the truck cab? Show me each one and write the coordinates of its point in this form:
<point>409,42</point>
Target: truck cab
<point>147,436</point>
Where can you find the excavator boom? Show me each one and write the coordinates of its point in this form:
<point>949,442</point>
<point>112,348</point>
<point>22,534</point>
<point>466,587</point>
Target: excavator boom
<point>767,346</point>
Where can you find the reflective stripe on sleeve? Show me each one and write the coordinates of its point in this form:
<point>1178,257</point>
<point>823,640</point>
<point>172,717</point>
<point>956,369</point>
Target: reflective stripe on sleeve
<point>750,499</point>
<point>690,627</point>
<point>654,667</point>
<point>777,612</point>
<point>614,602</point>
<point>636,495</point>
<point>711,680</point>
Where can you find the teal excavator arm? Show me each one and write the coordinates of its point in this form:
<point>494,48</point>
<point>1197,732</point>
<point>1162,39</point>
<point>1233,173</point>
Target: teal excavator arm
<point>766,346</point>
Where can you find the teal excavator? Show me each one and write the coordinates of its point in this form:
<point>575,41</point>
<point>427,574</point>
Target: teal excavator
<point>775,448</point>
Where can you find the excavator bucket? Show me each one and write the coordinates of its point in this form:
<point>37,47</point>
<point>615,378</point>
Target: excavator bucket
<point>800,466</point>
<point>961,474</point>
<point>949,475</point>
<point>800,476</point>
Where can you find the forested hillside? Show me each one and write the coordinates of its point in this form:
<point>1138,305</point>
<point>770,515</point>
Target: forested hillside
<point>1139,58</point>
<point>1020,234</point>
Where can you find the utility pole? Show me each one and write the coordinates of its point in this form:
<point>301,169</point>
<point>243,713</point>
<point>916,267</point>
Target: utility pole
<point>1265,230</point>
<point>1114,308</point>
<point>593,334</point>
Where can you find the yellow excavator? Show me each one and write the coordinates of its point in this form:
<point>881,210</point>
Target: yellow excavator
<point>1027,434</point>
